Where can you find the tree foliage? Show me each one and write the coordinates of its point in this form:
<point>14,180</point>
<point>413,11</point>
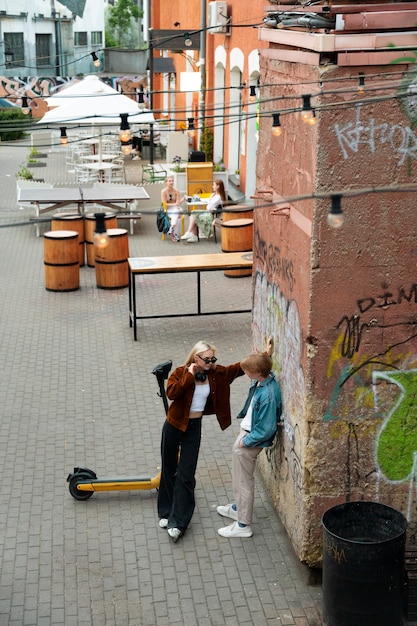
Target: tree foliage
<point>120,18</point>
<point>13,118</point>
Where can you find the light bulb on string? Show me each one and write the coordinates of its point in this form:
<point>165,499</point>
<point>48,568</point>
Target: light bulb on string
<point>126,147</point>
<point>187,40</point>
<point>252,93</point>
<point>313,119</point>
<point>276,125</point>
<point>96,60</point>
<point>101,237</point>
<point>125,134</point>
<point>63,138</point>
<point>191,127</point>
<point>361,85</point>
<point>25,105</point>
<point>335,216</point>
<point>307,111</point>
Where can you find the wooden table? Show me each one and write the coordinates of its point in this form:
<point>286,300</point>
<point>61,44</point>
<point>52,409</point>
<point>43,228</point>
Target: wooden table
<point>174,264</point>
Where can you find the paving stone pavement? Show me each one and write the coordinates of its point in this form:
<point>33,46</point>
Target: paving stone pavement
<point>76,390</point>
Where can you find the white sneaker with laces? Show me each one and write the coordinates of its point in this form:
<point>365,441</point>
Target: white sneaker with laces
<point>175,534</point>
<point>227,511</point>
<point>163,522</point>
<point>186,235</point>
<point>234,530</point>
<point>192,239</point>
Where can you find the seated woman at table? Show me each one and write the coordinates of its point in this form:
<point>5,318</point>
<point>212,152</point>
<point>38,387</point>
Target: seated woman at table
<point>204,219</point>
<point>171,197</point>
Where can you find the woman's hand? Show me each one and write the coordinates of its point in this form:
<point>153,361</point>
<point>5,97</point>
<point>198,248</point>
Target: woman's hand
<point>193,368</point>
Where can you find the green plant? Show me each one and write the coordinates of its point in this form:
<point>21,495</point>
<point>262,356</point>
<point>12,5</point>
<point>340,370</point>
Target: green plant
<point>19,122</point>
<point>24,172</point>
<point>219,166</point>
<point>206,143</point>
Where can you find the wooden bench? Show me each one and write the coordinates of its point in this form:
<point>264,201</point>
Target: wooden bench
<point>174,264</point>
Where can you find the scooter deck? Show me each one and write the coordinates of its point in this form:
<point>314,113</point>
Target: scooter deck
<point>125,483</point>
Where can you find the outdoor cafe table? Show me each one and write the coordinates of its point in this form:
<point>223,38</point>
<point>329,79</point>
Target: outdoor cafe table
<point>58,197</point>
<point>105,156</point>
<point>173,264</point>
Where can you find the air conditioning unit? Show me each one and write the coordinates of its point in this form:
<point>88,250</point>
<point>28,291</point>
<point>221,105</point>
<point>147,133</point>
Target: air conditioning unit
<point>218,21</point>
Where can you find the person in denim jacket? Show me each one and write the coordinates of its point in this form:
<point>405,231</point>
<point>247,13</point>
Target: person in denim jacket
<point>260,416</point>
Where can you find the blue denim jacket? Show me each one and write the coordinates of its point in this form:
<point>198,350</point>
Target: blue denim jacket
<point>266,411</point>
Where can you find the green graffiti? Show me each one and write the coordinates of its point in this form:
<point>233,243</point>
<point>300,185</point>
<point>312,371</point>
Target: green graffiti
<point>397,441</point>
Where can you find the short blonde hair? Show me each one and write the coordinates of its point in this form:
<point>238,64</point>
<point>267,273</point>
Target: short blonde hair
<point>200,346</point>
<point>257,363</point>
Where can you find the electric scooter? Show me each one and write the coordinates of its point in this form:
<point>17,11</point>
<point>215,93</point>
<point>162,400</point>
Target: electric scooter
<point>83,482</point>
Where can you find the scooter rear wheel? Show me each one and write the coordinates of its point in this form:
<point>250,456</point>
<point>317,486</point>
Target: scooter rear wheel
<point>74,481</point>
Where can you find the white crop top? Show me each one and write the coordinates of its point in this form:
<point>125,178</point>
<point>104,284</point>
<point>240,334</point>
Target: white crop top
<point>201,393</point>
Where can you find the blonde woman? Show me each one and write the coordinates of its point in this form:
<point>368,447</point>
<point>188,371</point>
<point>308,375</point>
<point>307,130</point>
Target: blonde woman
<point>199,387</point>
<point>171,197</point>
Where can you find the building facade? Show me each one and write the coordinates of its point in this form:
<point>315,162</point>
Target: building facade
<point>50,38</point>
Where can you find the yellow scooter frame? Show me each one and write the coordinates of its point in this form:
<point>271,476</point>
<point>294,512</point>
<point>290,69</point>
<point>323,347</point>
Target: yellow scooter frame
<point>83,482</point>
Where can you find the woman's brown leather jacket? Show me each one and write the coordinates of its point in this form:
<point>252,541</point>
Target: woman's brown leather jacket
<point>180,389</point>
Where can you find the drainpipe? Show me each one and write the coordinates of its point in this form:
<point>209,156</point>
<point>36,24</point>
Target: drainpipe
<point>202,59</point>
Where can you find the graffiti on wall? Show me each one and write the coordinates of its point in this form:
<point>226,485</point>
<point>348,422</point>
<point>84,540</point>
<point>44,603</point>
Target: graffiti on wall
<point>371,135</point>
<point>379,386</point>
<point>274,314</point>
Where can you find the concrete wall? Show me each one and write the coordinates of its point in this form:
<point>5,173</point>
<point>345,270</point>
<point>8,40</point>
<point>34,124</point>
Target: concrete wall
<point>341,304</point>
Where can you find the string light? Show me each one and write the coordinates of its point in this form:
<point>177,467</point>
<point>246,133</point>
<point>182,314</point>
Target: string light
<point>307,111</point>
<point>252,93</point>
<point>125,134</point>
<point>191,127</point>
<point>100,238</point>
<point>313,119</point>
<point>96,60</point>
<point>276,125</point>
<point>335,216</point>
<point>187,40</point>
<point>25,105</point>
<point>63,139</point>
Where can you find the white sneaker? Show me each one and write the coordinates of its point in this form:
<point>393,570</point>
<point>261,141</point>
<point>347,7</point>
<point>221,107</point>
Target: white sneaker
<point>192,239</point>
<point>186,235</point>
<point>163,522</point>
<point>227,511</point>
<point>175,534</point>
<point>234,530</point>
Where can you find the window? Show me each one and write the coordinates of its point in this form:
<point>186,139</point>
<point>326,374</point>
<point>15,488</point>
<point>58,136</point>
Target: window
<point>96,37</point>
<point>43,50</point>
<point>14,50</point>
<point>80,39</point>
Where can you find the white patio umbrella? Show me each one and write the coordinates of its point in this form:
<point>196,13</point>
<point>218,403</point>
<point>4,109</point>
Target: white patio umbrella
<point>94,102</point>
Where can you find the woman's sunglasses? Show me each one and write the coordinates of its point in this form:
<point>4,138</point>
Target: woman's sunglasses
<point>207,360</point>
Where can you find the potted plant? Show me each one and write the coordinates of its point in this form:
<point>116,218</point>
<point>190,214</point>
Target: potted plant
<point>177,160</point>
<point>32,159</point>
<point>206,143</point>
<point>24,173</point>
<point>219,166</point>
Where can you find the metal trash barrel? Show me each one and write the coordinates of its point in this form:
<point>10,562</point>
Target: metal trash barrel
<point>364,580</point>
